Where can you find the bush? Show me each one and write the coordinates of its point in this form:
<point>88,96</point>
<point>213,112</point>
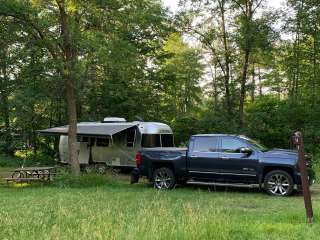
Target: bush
<point>10,161</point>
<point>29,159</point>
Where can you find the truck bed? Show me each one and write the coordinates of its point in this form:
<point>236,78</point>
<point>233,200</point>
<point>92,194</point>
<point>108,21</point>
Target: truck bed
<point>171,156</point>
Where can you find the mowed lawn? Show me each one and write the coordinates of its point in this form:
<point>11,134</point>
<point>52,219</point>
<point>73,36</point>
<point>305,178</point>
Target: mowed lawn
<point>108,207</point>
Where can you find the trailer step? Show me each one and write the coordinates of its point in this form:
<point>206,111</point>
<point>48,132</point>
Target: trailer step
<point>223,184</point>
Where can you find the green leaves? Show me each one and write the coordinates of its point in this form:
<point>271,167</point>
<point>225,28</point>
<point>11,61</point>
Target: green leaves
<point>131,59</point>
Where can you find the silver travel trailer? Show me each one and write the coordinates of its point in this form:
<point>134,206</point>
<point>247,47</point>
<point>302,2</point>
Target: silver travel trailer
<point>113,142</point>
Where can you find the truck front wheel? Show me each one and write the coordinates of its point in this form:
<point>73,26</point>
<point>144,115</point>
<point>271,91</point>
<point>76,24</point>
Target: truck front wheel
<point>278,183</point>
<point>163,178</point>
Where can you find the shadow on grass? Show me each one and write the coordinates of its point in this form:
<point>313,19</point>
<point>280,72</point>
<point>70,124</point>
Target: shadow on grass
<point>84,180</point>
<point>219,189</point>
<point>65,179</point>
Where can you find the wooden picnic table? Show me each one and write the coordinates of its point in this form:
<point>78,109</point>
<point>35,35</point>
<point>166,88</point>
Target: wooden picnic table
<point>31,174</point>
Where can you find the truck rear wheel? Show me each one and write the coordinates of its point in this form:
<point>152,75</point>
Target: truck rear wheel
<point>163,178</point>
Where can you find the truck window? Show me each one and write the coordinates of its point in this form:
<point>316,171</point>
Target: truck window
<point>131,136</point>
<point>167,140</point>
<point>150,140</point>
<point>205,144</point>
<point>102,142</point>
<point>231,145</point>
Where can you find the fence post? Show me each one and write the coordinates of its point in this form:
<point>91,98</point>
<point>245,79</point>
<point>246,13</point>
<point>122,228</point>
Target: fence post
<point>298,141</point>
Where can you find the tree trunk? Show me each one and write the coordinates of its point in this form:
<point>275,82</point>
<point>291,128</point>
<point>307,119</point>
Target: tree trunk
<point>215,87</point>
<point>5,113</point>
<point>4,105</point>
<point>260,82</point>
<point>70,82</point>
<point>247,50</point>
<point>243,86</point>
<point>253,87</point>
<point>296,79</point>
<point>226,56</point>
<point>315,66</point>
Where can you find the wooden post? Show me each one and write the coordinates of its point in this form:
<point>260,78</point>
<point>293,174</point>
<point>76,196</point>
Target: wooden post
<point>298,141</point>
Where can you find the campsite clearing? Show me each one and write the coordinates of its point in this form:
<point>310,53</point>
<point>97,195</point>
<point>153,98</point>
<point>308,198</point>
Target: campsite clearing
<point>108,207</point>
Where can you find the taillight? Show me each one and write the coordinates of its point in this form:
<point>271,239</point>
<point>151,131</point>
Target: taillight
<point>138,159</point>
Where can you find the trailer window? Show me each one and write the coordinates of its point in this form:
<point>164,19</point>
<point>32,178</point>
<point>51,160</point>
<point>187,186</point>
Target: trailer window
<point>91,142</point>
<point>82,139</point>
<point>131,135</point>
<point>102,142</point>
<point>151,140</point>
<point>167,140</point>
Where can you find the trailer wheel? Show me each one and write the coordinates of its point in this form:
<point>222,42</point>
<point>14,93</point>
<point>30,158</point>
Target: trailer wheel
<point>101,169</point>
<point>88,168</point>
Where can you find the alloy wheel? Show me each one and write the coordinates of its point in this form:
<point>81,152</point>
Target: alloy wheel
<point>278,184</point>
<point>162,180</point>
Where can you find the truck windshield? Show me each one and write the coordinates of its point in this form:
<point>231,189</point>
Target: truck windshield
<point>256,144</point>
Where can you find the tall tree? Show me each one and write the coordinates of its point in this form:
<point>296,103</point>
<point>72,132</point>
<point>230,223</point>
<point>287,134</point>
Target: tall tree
<point>248,32</point>
<point>179,73</point>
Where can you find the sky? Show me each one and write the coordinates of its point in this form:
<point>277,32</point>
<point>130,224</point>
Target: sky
<point>173,4</point>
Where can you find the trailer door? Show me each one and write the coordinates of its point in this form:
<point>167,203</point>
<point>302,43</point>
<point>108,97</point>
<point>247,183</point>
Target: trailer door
<point>84,151</point>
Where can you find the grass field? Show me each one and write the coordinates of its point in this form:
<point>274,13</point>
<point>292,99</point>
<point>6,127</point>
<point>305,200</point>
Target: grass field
<point>95,207</point>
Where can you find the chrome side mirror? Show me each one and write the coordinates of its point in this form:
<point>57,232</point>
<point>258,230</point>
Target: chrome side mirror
<point>246,151</point>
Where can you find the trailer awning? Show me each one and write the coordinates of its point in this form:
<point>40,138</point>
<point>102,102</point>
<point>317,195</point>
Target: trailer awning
<point>96,129</point>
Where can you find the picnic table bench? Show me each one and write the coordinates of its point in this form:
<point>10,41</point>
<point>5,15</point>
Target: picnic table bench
<point>32,174</point>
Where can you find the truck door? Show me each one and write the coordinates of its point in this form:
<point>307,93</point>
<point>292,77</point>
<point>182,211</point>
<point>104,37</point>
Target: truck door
<point>203,157</point>
<point>236,166</point>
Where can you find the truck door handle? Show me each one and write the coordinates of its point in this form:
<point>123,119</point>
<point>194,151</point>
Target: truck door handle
<point>192,155</point>
<point>225,158</point>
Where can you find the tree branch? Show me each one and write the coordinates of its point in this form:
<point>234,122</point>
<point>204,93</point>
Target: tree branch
<point>240,6</point>
<point>258,5</point>
<point>35,27</point>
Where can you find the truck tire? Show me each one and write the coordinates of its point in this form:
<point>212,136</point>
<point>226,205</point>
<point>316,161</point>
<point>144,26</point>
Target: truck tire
<point>163,178</point>
<point>278,183</point>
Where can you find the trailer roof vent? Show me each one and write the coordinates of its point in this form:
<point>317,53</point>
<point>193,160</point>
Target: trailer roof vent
<point>113,120</point>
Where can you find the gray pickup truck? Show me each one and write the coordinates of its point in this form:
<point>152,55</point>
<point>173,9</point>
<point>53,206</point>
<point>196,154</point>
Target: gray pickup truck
<point>223,160</point>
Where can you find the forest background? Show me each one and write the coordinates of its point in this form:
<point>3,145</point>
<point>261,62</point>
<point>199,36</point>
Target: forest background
<point>223,66</point>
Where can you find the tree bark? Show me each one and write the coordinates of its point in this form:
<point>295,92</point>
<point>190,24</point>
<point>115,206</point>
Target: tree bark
<point>260,82</point>
<point>6,117</point>
<point>226,56</point>
<point>315,66</point>
<point>215,87</point>
<point>247,51</point>
<point>4,106</point>
<point>243,87</point>
<point>70,82</point>
<point>253,87</point>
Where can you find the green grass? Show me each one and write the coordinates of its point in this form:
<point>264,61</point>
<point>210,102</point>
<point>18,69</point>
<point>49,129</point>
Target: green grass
<point>95,207</point>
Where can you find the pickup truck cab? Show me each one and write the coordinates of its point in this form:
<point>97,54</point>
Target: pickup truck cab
<point>223,160</point>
